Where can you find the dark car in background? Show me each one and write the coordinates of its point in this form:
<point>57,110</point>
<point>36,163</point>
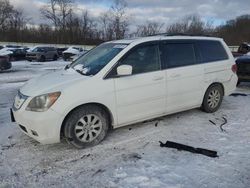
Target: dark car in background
<point>243,49</point>
<point>42,53</point>
<point>60,51</point>
<point>17,54</point>
<point>5,63</point>
<point>13,46</point>
<point>243,65</point>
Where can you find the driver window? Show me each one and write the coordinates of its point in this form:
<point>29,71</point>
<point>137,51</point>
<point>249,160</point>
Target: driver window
<point>143,59</point>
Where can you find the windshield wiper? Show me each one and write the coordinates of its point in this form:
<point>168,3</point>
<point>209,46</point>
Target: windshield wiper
<point>66,67</point>
<point>79,72</point>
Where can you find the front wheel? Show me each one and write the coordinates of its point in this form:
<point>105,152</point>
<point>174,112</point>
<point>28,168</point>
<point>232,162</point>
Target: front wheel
<point>42,59</point>
<point>212,99</point>
<point>86,126</point>
<point>55,57</point>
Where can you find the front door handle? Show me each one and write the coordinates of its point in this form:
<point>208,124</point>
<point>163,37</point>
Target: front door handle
<point>175,75</point>
<point>158,78</point>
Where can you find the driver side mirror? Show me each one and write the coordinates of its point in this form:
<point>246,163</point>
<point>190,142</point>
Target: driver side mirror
<point>124,70</point>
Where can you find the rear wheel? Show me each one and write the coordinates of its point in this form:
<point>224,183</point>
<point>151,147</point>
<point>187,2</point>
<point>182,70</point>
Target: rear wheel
<point>42,59</point>
<point>55,57</point>
<point>213,98</point>
<point>86,126</point>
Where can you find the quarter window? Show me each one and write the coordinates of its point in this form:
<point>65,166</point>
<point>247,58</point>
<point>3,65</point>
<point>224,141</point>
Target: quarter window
<point>178,54</point>
<point>211,51</point>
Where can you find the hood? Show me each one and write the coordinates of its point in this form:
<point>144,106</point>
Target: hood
<point>5,51</point>
<point>51,82</point>
<point>243,59</point>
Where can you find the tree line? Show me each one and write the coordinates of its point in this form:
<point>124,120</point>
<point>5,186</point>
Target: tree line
<point>65,26</point>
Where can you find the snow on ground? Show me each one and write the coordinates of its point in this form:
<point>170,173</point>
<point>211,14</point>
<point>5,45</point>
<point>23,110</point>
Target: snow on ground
<point>130,156</point>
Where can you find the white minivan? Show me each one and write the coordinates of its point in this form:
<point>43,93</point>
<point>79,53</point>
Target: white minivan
<point>124,82</point>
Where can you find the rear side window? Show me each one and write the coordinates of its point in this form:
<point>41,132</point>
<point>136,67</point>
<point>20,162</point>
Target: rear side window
<point>178,54</point>
<point>211,51</point>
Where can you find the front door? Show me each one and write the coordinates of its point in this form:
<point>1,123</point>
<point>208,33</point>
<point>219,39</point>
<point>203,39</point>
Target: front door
<point>141,95</point>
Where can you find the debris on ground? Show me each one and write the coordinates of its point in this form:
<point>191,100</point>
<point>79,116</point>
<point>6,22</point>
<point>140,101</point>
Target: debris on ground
<point>223,121</point>
<point>6,147</point>
<point>212,122</point>
<point>191,149</point>
<point>131,156</point>
<point>98,171</point>
<point>156,124</point>
<point>238,94</point>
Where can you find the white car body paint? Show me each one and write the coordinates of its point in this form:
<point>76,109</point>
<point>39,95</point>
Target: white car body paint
<point>129,99</point>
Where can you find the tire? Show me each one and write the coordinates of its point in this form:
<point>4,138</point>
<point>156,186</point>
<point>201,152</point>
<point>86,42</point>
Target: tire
<point>55,57</point>
<point>42,59</point>
<point>213,98</point>
<point>84,122</point>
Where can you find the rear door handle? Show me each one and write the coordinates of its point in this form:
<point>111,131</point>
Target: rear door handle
<point>175,75</point>
<point>158,78</point>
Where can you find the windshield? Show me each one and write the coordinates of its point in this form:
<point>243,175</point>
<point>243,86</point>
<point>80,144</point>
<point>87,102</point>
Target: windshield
<point>38,50</point>
<point>93,61</point>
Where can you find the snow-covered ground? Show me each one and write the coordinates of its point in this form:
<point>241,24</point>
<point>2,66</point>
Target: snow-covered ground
<point>130,156</point>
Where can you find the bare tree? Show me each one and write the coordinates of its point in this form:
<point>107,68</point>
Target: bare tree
<point>149,28</point>
<point>191,24</point>
<point>6,9</point>
<point>119,18</point>
<point>57,11</point>
<point>17,20</point>
<point>114,23</point>
<point>235,31</point>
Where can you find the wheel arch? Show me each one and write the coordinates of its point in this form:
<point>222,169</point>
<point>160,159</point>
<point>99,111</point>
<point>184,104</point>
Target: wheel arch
<point>99,105</point>
<point>216,83</point>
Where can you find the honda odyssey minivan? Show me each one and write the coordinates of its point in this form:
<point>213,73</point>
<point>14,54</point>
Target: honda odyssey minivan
<point>124,82</point>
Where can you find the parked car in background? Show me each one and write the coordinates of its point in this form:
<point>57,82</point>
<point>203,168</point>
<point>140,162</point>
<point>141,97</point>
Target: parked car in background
<point>17,54</point>
<point>42,53</point>
<point>5,63</point>
<point>243,49</point>
<point>124,82</point>
<point>13,46</point>
<point>60,51</point>
<point>72,51</point>
<point>243,68</point>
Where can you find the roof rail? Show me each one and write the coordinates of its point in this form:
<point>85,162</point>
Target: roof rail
<point>181,34</point>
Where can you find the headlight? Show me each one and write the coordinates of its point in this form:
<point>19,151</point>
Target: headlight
<point>43,102</point>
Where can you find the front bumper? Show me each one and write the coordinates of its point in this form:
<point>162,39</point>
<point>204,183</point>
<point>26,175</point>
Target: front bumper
<point>68,56</point>
<point>30,58</point>
<point>44,127</point>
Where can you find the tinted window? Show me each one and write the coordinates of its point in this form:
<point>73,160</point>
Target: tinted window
<point>143,59</point>
<point>211,51</point>
<point>178,54</point>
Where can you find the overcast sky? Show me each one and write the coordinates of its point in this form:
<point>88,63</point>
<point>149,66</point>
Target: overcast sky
<point>164,11</point>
